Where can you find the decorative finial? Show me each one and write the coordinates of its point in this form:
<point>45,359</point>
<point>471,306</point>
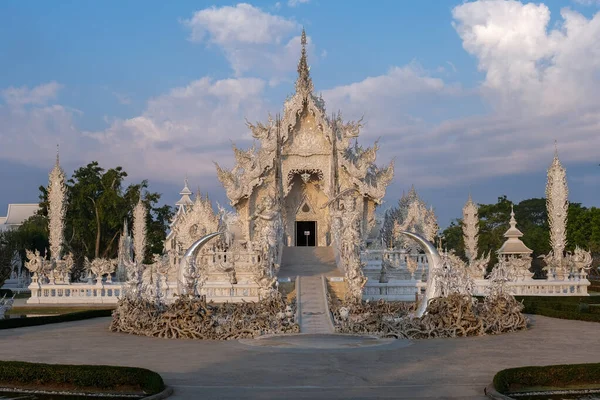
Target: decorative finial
<point>303,39</point>
<point>555,148</point>
<point>513,221</point>
<point>57,155</point>
<point>304,83</point>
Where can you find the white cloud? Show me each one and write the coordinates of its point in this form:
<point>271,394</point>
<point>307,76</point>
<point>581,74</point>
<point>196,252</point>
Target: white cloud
<point>38,95</point>
<point>243,23</point>
<point>294,3</point>
<point>541,86</point>
<point>527,66</point>
<point>30,134</point>
<point>184,130</point>
<point>251,39</point>
<point>587,2</point>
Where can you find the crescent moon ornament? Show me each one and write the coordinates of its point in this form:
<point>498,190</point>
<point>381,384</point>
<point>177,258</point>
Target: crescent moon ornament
<point>435,262</point>
<point>189,258</point>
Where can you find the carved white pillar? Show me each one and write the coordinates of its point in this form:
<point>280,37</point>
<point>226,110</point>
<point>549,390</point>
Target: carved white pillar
<point>139,231</point>
<point>557,204</point>
<point>57,191</point>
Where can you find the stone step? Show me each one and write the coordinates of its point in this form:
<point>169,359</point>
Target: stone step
<point>314,317</point>
<point>308,261</point>
<point>307,255</point>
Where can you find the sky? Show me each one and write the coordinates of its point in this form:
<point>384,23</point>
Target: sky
<point>465,96</point>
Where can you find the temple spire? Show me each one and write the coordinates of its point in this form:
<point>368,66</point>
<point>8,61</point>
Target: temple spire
<point>557,204</point>
<point>470,228</point>
<point>185,199</point>
<point>304,83</point>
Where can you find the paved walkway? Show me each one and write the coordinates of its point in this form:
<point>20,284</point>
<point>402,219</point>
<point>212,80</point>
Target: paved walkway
<point>422,369</point>
<point>314,317</point>
<point>310,264</point>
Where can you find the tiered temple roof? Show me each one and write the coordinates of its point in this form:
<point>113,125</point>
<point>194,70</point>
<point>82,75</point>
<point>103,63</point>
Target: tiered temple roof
<point>513,243</point>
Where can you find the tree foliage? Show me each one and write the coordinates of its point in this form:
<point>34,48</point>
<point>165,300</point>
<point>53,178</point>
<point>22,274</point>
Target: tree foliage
<point>583,228</point>
<point>32,234</point>
<point>98,203</point>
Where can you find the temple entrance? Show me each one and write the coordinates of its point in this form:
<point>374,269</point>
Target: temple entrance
<point>306,233</point>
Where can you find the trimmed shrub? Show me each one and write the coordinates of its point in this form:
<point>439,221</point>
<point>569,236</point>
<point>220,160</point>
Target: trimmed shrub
<point>92,378</point>
<point>10,293</point>
<point>52,319</point>
<point>567,307</point>
<point>551,376</point>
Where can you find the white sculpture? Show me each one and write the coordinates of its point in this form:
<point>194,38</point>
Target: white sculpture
<point>157,287</point>
<point>62,269</point>
<point>557,205</point>
<point>125,254</point>
<point>558,265</point>
<point>349,247</point>
<point>269,231</point>
<point>101,267</point>
<point>56,210</point>
<point>139,231</point>
<point>470,225</point>
<point>413,216</point>
<point>6,305</point>
<point>433,288</point>
<point>453,276</point>
<point>37,265</point>
<point>580,262</point>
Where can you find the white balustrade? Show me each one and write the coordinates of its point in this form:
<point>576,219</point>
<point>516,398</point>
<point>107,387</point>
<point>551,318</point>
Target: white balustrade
<point>76,293</point>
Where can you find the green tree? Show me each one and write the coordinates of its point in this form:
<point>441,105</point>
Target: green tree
<point>532,219</point>
<point>452,238</point>
<point>98,204</point>
<point>9,244</point>
<point>493,223</point>
<point>583,229</point>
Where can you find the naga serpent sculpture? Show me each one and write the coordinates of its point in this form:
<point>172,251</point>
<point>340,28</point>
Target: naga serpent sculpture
<point>435,261</point>
<point>189,258</point>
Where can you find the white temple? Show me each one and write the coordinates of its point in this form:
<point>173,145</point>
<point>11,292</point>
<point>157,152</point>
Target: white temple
<point>303,161</point>
<point>306,183</point>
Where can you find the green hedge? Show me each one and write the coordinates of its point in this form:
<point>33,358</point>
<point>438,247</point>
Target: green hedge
<point>51,319</point>
<point>93,378</point>
<point>568,307</point>
<point>552,376</point>
<point>9,293</point>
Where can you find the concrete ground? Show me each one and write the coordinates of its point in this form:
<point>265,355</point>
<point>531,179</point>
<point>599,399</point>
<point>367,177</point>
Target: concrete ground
<point>311,367</point>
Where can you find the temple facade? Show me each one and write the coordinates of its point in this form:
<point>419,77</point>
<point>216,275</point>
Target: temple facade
<point>304,161</point>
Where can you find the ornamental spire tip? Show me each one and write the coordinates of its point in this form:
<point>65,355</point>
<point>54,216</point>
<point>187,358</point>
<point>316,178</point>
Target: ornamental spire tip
<point>304,83</point>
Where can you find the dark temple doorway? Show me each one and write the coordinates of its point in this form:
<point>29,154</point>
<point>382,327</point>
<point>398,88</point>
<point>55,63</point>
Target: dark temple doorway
<point>306,233</point>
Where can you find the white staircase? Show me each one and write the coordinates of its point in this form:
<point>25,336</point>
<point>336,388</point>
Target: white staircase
<point>311,265</point>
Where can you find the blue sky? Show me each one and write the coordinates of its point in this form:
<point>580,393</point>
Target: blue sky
<point>467,96</point>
